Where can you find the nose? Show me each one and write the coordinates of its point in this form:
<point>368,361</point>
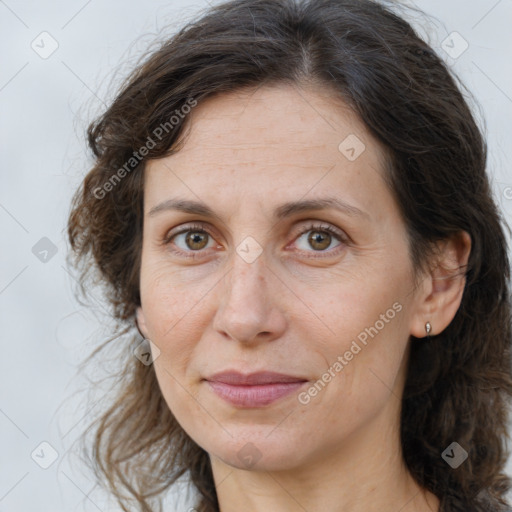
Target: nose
<point>250,307</point>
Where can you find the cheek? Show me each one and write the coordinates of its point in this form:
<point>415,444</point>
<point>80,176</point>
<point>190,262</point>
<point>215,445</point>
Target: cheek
<point>361,386</point>
<point>170,298</point>
<point>360,309</point>
<point>175,318</point>
<point>364,353</point>
<point>186,407</point>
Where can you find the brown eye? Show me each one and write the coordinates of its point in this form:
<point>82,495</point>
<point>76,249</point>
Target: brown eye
<point>196,240</point>
<point>193,240</point>
<point>319,240</point>
<point>323,239</point>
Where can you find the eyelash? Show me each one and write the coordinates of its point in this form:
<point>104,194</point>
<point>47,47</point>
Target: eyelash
<point>311,227</point>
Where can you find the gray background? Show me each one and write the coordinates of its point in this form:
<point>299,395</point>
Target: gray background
<point>45,106</point>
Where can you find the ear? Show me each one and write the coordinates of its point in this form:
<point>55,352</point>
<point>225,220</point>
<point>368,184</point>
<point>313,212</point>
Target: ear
<point>442,288</point>
<point>140,321</point>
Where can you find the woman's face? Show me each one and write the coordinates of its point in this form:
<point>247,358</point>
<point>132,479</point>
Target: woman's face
<point>272,244</point>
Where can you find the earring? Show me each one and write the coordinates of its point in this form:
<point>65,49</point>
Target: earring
<point>428,328</point>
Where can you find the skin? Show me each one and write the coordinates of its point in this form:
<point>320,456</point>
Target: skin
<point>295,309</point>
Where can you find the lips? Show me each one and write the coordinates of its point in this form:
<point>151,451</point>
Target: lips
<point>259,378</point>
<point>253,390</point>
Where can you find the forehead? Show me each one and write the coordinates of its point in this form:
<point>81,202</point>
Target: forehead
<point>283,139</point>
<point>272,118</point>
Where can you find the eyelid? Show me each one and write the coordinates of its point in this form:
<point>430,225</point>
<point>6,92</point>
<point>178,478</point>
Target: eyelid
<point>311,225</point>
<point>183,228</point>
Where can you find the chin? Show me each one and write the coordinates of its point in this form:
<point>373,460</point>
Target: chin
<point>257,453</point>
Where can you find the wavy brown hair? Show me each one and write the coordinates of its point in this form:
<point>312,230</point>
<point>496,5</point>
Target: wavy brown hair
<point>459,384</point>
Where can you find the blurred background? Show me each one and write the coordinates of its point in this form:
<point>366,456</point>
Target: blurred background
<point>60,65</point>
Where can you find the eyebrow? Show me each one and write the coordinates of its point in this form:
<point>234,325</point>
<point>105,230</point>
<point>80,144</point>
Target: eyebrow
<point>283,211</point>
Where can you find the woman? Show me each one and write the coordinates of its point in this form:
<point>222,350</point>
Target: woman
<point>289,201</point>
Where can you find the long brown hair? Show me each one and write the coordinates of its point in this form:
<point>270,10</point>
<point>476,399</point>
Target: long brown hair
<point>459,383</point>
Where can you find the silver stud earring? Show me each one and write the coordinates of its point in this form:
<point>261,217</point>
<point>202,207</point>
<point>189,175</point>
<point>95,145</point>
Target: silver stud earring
<point>428,328</point>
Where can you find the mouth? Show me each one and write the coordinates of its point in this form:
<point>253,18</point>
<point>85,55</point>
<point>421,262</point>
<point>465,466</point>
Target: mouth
<point>253,390</point>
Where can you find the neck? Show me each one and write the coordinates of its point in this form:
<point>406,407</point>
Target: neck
<point>366,474</point>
